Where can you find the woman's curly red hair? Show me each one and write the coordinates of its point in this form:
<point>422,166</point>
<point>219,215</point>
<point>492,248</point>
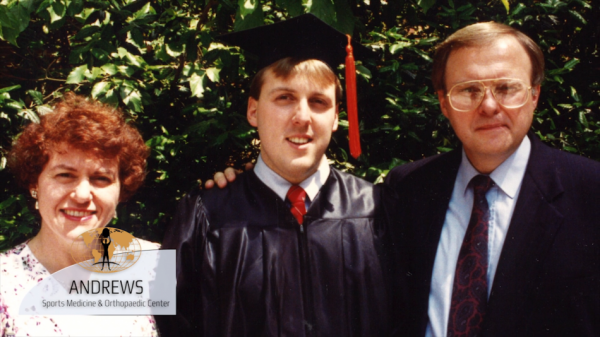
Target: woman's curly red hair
<point>85,125</point>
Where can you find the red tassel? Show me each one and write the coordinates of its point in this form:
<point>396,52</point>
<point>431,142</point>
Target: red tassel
<point>353,126</point>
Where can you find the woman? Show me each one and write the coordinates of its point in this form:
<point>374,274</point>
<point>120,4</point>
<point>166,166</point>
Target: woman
<point>79,162</point>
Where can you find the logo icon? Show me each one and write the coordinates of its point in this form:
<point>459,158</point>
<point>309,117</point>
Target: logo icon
<point>106,250</point>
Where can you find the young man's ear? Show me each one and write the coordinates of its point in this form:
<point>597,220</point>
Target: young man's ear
<point>336,120</point>
<point>251,112</point>
<point>442,98</point>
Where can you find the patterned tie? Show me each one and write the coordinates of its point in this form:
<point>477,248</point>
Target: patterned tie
<point>296,195</point>
<point>469,293</point>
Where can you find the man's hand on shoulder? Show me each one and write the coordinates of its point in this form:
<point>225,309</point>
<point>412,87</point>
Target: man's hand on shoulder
<point>221,179</point>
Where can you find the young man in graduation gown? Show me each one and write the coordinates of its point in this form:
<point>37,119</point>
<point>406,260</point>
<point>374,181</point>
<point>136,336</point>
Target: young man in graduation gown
<point>292,247</point>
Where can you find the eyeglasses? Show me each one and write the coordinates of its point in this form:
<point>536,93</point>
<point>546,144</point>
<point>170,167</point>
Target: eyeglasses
<point>508,92</point>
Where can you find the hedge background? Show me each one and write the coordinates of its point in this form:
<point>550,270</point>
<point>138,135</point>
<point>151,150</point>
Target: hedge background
<point>160,62</point>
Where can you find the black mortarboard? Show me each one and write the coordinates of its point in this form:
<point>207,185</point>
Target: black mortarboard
<point>303,37</point>
<point>307,37</point>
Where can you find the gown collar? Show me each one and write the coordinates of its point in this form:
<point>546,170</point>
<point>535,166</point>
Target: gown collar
<point>280,186</point>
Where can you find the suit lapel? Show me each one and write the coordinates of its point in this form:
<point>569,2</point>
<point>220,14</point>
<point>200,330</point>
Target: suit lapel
<point>533,227</point>
<point>429,199</point>
<point>437,205</point>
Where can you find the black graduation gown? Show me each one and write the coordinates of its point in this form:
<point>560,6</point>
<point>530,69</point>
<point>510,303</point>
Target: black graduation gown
<point>245,267</point>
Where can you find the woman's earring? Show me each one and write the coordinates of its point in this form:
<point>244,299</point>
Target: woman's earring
<point>34,195</point>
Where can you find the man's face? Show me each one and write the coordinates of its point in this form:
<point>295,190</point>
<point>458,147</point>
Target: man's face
<point>491,132</point>
<point>295,118</point>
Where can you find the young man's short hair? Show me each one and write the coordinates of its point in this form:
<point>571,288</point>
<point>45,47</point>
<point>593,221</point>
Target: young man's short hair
<point>314,70</point>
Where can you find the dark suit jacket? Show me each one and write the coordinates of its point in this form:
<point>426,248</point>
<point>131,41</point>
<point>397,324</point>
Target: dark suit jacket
<point>548,277</point>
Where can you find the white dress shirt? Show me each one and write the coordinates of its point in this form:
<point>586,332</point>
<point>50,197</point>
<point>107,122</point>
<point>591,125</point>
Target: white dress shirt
<point>502,198</point>
<point>280,186</point>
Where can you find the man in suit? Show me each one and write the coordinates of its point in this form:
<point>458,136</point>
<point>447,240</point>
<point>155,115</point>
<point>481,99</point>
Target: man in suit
<point>501,236</point>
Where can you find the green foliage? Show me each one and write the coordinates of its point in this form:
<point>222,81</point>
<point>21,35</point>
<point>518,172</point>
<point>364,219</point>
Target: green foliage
<point>16,221</point>
<point>161,62</point>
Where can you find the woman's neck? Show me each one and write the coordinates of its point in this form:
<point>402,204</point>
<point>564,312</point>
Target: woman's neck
<point>53,253</point>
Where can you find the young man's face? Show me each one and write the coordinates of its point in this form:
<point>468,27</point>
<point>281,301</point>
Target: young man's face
<point>490,133</point>
<point>295,118</point>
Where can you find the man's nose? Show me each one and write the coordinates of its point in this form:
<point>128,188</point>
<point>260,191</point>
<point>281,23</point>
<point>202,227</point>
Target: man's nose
<point>302,112</point>
<point>489,105</point>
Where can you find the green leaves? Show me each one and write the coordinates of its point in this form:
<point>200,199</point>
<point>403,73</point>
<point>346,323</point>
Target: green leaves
<point>57,11</point>
<point>37,96</point>
<point>323,9</point>
<point>7,89</point>
<point>100,89</point>
<point>398,46</point>
<point>506,5</point>
<point>160,63</point>
<point>110,69</point>
<point>144,14</point>
<point>249,15</point>
<point>293,7</point>
<point>76,75</point>
<point>213,74</point>
<point>15,220</point>
<point>336,13</point>
<point>363,72</point>
<point>14,18</point>
<point>426,4</point>
<point>197,85</point>
<point>571,64</point>
<point>344,18</point>
<point>131,96</point>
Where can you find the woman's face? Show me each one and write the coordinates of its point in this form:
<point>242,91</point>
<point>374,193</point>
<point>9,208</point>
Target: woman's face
<point>77,192</point>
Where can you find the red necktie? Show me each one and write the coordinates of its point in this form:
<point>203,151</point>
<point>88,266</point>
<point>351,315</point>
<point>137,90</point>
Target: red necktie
<point>296,195</point>
<point>469,293</point>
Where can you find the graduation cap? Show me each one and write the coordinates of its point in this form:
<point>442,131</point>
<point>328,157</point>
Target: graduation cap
<point>307,37</point>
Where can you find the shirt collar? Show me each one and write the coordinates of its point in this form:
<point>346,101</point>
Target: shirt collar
<point>280,186</point>
<point>508,176</point>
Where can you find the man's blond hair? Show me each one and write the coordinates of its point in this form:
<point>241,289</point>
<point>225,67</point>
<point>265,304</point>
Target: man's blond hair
<point>313,70</point>
<point>479,35</point>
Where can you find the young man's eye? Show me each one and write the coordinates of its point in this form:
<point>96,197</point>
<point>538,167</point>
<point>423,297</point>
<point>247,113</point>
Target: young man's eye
<point>320,103</point>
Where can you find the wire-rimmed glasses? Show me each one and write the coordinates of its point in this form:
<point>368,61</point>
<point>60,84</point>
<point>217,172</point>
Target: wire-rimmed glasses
<point>509,92</point>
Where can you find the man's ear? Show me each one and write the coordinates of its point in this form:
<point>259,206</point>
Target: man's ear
<point>251,112</point>
<point>442,98</point>
<point>336,120</point>
<point>535,94</point>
